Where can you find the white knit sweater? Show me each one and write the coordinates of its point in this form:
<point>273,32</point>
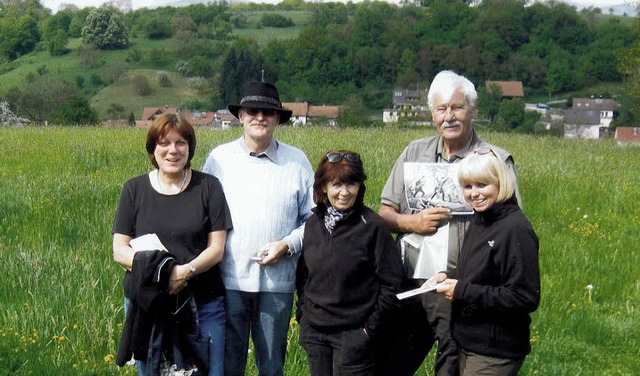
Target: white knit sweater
<point>269,201</point>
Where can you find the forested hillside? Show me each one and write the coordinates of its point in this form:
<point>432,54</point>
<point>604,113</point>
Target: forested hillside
<point>323,53</point>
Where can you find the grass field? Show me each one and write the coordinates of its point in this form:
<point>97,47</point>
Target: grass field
<point>61,293</point>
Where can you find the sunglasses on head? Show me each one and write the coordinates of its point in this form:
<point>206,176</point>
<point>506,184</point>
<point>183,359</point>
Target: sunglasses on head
<point>337,157</point>
<point>484,151</point>
<point>256,111</point>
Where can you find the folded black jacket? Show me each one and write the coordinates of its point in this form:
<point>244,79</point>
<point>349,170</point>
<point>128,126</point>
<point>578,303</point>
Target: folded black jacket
<point>159,326</point>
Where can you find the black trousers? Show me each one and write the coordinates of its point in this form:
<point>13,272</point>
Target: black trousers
<point>422,321</point>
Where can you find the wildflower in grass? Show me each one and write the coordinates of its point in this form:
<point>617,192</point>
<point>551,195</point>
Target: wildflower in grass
<point>58,339</point>
<point>589,289</point>
<point>108,358</point>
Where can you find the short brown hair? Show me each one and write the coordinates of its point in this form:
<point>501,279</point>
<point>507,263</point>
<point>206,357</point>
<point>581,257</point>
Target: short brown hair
<point>164,124</point>
<point>344,170</point>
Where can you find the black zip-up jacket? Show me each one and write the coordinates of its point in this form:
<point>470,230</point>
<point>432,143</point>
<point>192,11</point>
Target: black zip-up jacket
<point>348,279</point>
<point>498,283</point>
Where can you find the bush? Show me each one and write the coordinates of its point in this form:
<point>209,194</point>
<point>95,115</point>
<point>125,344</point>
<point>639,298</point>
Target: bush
<point>163,79</point>
<point>141,85</point>
<point>275,20</point>
<point>198,84</point>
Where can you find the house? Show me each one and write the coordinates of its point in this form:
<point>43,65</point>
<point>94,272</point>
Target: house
<point>606,108</point>
<point>509,89</point>
<point>406,103</point>
<point>589,118</point>
<point>628,136</point>
<point>582,124</point>
<point>221,119</point>
<point>303,113</point>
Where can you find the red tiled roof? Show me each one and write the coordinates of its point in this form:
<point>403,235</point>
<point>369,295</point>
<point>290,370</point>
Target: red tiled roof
<point>508,88</point>
<point>298,108</point>
<point>628,134</point>
<point>330,112</point>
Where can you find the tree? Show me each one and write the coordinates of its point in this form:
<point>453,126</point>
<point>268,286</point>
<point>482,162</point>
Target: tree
<point>115,111</point>
<point>275,20</point>
<point>76,111</point>
<point>198,84</point>
<point>141,85</point>
<point>240,65</point>
<point>89,55</point>
<point>18,36</point>
<point>105,29</point>
<point>163,79</point>
<point>354,113</point>
<point>511,113</point>
<point>115,71</point>
<point>132,119</point>
<point>488,103</point>
<point>58,45</point>
<point>135,56</point>
<point>158,27</point>
<point>40,99</point>
<point>8,118</point>
<point>629,67</point>
<point>19,8</point>
<point>183,68</point>
<point>199,66</point>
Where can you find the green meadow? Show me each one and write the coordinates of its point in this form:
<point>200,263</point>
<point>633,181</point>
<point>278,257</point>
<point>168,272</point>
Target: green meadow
<point>61,293</point>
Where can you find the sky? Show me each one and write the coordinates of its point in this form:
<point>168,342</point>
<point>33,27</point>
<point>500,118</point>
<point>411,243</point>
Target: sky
<point>53,4</point>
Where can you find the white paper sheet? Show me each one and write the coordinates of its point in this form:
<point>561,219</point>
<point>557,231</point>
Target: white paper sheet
<point>148,242</point>
<point>432,252</point>
<point>420,290</point>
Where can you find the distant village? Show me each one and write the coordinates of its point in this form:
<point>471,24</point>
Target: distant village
<point>587,118</point>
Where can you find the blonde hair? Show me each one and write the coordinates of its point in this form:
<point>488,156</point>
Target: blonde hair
<point>487,169</point>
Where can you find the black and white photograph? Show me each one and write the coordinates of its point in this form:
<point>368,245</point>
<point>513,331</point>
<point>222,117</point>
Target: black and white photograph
<point>431,185</point>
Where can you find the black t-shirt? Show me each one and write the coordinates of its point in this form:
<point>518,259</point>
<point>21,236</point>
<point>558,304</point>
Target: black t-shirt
<point>182,222</point>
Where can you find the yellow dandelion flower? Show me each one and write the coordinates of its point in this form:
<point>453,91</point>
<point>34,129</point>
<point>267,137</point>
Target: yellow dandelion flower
<point>108,358</point>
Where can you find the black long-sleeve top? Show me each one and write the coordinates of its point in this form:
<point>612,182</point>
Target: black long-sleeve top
<point>348,278</point>
<point>498,283</point>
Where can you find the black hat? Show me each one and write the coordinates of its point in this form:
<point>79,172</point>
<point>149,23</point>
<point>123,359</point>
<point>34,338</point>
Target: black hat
<point>261,95</point>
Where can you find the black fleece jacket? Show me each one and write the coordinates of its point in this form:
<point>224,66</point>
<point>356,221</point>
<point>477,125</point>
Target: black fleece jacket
<point>348,279</point>
<point>498,283</point>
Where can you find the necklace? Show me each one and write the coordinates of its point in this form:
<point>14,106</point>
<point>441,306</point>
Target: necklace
<point>184,180</point>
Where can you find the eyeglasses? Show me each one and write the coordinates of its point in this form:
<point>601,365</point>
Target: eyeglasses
<point>484,151</point>
<point>256,111</point>
<point>337,157</point>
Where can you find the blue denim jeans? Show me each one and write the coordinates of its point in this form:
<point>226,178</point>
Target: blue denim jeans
<point>211,318</point>
<point>266,317</point>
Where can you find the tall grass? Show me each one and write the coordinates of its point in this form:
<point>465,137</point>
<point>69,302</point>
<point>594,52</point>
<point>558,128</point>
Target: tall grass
<point>61,293</point>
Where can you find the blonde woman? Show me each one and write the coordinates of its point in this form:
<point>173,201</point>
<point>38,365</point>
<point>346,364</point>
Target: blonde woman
<point>497,282</point>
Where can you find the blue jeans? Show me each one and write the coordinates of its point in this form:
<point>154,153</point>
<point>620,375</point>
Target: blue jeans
<point>266,316</point>
<point>211,318</point>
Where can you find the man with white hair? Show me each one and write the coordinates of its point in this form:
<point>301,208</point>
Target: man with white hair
<point>452,101</point>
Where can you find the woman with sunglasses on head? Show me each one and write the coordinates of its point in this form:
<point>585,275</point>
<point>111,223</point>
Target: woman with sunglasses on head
<point>348,274</point>
<point>496,285</point>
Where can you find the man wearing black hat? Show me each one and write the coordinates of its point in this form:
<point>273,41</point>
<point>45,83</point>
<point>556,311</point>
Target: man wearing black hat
<point>269,190</point>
